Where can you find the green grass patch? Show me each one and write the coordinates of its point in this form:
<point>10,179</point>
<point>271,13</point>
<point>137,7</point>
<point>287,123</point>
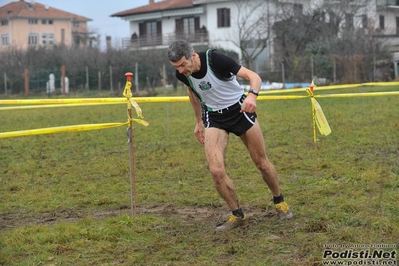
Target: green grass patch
<point>65,198</point>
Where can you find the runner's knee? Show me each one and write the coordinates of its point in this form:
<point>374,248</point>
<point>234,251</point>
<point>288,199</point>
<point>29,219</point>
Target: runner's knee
<point>218,174</point>
<point>264,165</point>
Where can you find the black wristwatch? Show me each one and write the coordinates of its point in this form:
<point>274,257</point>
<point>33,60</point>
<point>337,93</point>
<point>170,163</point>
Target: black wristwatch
<point>256,92</point>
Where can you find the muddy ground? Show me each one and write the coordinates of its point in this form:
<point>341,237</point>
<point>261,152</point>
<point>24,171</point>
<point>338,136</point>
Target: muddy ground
<point>214,215</point>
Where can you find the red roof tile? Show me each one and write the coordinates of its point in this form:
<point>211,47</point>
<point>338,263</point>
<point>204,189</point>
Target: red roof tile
<point>157,6</point>
<point>36,10</point>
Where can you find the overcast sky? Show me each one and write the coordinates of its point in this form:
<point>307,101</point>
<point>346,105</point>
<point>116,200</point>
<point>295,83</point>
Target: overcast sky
<point>97,10</point>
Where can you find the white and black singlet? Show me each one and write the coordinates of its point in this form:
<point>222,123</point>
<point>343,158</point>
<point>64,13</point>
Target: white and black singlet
<point>220,94</point>
<point>215,84</point>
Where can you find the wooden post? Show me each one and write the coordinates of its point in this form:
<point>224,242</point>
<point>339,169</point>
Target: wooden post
<point>26,78</point>
<point>334,70</point>
<point>128,94</point>
<point>136,77</point>
<point>312,66</point>
<point>110,79</point>
<point>87,79</point>
<point>5,83</point>
<point>63,79</point>
<point>99,80</point>
<point>283,73</point>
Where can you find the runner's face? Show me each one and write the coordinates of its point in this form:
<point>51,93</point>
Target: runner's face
<point>184,66</point>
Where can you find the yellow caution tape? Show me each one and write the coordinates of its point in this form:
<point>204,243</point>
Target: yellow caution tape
<point>318,114</point>
<point>140,121</point>
<point>64,101</point>
<point>281,97</point>
<point>51,106</point>
<point>51,130</point>
<point>360,94</point>
<point>136,107</point>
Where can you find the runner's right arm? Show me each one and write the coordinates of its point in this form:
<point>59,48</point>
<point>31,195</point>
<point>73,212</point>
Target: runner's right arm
<point>199,126</point>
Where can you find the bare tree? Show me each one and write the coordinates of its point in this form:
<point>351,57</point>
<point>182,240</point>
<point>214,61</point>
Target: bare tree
<point>252,29</point>
<point>332,38</point>
<point>12,66</point>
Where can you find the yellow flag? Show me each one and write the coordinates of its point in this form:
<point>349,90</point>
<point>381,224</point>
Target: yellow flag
<point>321,120</point>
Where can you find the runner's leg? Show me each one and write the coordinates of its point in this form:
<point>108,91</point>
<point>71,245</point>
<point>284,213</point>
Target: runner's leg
<point>253,140</point>
<point>216,141</point>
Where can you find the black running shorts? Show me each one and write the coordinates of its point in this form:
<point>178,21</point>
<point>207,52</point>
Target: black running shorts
<point>229,119</point>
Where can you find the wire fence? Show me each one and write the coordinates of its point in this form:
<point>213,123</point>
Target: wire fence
<point>327,69</point>
<point>49,81</point>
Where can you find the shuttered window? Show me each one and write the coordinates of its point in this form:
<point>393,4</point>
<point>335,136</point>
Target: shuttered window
<point>223,17</point>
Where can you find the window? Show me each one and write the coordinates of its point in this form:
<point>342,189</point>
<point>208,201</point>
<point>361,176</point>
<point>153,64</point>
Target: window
<point>298,9</point>
<point>76,40</point>
<point>349,20</point>
<point>62,36</point>
<point>32,21</point>
<point>47,39</point>
<point>319,16</point>
<point>186,28</point>
<point>4,22</point>
<point>397,25</point>
<point>4,40</point>
<point>50,38</point>
<point>151,32</point>
<point>151,29</point>
<point>44,38</point>
<point>333,18</point>
<point>382,22</point>
<point>364,21</point>
<point>223,17</point>
<point>44,21</point>
<point>50,21</point>
<point>33,39</point>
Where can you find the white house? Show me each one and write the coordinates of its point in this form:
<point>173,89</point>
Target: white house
<point>202,22</point>
<point>219,23</point>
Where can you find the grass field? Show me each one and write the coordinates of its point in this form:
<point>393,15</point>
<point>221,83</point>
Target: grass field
<point>65,198</point>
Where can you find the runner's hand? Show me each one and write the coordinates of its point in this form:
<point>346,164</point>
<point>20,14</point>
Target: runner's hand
<point>199,132</point>
<point>249,104</point>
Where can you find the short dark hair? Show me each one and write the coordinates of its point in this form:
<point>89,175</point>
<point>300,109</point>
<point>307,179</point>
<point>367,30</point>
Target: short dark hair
<point>178,49</point>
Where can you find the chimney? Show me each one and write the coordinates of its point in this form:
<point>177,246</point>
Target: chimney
<point>108,42</point>
<point>151,2</point>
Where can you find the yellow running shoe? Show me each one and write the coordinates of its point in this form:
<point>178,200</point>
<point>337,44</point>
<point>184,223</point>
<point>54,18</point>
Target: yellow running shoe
<point>284,212</point>
<point>232,222</point>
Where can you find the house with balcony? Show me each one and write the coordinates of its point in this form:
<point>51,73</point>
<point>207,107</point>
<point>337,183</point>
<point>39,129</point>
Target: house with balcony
<point>31,24</point>
<point>202,22</point>
<point>216,23</point>
<point>160,23</point>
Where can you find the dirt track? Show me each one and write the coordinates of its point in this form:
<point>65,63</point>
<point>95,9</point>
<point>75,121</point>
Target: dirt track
<point>209,214</point>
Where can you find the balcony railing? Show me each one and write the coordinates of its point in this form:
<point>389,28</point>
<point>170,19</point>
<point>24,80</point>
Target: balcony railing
<point>163,41</point>
<point>388,3</point>
<point>348,2</point>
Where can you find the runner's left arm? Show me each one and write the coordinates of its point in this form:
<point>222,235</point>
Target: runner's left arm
<point>255,81</point>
